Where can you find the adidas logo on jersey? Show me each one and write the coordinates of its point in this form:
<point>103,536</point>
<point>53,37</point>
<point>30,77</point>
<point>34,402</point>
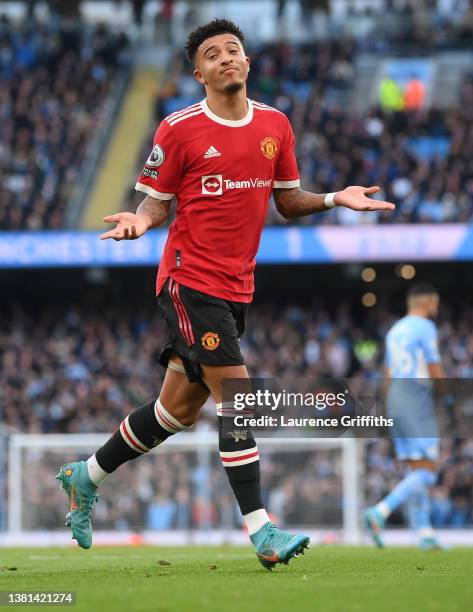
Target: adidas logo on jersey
<point>212,152</point>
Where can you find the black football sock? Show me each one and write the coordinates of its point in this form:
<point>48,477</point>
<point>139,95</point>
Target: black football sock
<point>138,433</point>
<point>240,458</point>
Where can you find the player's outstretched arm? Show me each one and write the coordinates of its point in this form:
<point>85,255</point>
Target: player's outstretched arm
<point>150,213</point>
<point>293,203</point>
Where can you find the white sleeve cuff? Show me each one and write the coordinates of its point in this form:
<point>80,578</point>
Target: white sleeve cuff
<point>286,184</point>
<point>153,193</point>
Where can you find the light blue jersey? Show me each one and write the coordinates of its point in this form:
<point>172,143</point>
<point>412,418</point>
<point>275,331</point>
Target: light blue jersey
<point>412,344</point>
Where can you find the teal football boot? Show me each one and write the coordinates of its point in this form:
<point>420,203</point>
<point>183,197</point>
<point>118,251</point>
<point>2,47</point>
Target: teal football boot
<point>82,493</point>
<point>275,546</point>
<point>374,523</point>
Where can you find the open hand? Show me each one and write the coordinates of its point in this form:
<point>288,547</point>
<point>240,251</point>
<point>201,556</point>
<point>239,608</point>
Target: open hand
<point>354,197</point>
<point>129,226</point>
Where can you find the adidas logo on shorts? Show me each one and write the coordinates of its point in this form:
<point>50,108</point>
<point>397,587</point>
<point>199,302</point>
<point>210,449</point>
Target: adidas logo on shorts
<point>212,152</point>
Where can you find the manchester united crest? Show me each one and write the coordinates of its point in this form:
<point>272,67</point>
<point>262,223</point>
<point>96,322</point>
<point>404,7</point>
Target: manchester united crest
<point>269,147</point>
<point>210,341</point>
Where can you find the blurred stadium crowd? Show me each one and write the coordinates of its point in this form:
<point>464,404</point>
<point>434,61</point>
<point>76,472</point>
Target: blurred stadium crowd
<point>82,370</point>
<point>54,81</point>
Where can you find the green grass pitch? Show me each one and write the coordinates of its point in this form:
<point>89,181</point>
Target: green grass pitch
<point>230,579</point>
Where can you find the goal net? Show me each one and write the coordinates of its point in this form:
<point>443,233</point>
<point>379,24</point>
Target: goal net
<point>179,492</point>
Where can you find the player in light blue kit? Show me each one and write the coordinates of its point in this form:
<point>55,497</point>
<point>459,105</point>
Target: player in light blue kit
<point>412,360</point>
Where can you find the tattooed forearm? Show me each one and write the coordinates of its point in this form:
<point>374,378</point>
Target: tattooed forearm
<point>293,203</point>
<point>156,210</point>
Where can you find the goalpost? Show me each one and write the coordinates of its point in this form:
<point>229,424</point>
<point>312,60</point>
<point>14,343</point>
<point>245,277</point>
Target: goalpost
<point>38,455</point>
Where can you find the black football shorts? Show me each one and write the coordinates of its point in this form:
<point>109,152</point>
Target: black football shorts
<point>201,329</point>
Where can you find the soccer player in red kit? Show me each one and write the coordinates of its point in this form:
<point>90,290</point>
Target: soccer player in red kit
<point>220,160</point>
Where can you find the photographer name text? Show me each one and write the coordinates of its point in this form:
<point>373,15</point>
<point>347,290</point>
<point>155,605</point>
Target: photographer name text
<point>333,422</point>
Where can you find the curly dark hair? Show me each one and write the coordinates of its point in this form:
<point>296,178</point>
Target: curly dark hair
<point>215,27</point>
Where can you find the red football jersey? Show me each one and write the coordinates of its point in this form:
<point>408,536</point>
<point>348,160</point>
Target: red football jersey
<point>222,173</point>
